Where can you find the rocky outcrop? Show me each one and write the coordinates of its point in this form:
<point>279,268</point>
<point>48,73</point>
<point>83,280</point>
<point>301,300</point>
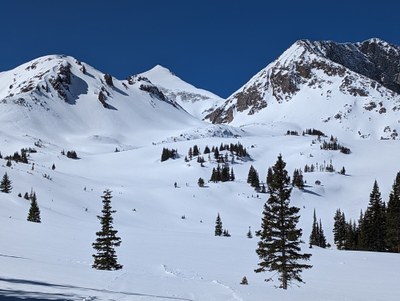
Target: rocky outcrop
<point>360,67</point>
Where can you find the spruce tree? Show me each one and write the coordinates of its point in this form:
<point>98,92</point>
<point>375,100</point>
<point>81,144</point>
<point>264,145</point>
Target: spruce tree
<point>321,236</point>
<point>34,211</point>
<point>279,245</point>
<point>393,217</point>
<point>200,182</point>
<point>218,226</point>
<point>107,238</point>
<point>249,234</point>
<point>339,230</point>
<point>314,236</point>
<point>374,222</point>
<point>5,185</point>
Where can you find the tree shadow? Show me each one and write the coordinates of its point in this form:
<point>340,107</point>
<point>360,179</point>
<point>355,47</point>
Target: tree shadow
<point>16,295</point>
<point>311,192</point>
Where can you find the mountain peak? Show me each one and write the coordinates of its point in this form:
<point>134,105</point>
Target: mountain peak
<point>321,82</point>
<point>158,69</point>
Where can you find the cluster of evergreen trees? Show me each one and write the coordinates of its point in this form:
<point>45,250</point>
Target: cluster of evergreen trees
<point>314,132</point>
<point>70,154</point>
<point>320,167</point>
<point>168,154</point>
<point>292,133</point>
<point>193,152</point>
<point>333,144</point>
<point>19,158</point>
<point>219,231</point>
<point>298,180</point>
<point>254,180</point>
<point>317,236</point>
<point>223,174</point>
<point>378,229</point>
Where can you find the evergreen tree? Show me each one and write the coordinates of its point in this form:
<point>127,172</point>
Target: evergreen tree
<point>216,153</point>
<point>53,166</point>
<point>321,236</point>
<point>190,153</point>
<point>374,223</point>
<point>225,174</point>
<point>200,182</point>
<point>278,247</point>
<point>253,178</point>
<point>298,179</point>
<point>393,217</point>
<point>249,234</point>
<point>351,240</point>
<point>5,184</point>
<point>314,236</point>
<point>107,238</point>
<point>339,230</point>
<point>34,212</point>
<point>218,226</point>
<point>206,150</point>
<point>232,175</point>
<point>196,151</point>
<point>244,281</point>
<point>225,233</point>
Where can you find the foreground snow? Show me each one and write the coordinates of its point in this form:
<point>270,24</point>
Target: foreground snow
<point>166,257</point>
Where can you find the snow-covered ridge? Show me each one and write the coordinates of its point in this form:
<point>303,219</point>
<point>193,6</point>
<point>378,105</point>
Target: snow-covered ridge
<point>353,86</point>
<point>60,97</point>
<point>198,102</point>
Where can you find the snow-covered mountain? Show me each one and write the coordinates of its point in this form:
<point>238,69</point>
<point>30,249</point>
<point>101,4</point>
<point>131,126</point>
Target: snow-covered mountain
<point>59,94</point>
<point>351,86</point>
<point>197,102</point>
<point>169,250</point>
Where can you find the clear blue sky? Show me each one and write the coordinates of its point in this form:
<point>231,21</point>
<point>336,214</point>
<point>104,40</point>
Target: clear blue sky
<point>217,45</point>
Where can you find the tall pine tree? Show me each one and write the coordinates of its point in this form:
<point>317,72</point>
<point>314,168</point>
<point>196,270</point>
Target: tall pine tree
<point>279,245</point>
<point>314,236</point>
<point>393,217</point>
<point>339,230</point>
<point>107,238</point>
<point>373,225</point>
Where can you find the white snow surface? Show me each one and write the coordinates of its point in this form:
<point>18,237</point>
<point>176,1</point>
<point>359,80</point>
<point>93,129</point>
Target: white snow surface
<point>165,257</point>
<point>197,102</point>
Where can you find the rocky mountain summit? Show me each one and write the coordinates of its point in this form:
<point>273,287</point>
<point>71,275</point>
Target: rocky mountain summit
<point>341,76</point>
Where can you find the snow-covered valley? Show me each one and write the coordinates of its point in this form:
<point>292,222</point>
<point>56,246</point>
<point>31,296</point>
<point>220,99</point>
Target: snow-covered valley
<point>168,249</point>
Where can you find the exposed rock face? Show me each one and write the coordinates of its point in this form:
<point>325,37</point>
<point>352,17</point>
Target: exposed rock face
<point>373,58</point>
<point>372,64</point>
<point>108,79</point>
<point>62,81</point>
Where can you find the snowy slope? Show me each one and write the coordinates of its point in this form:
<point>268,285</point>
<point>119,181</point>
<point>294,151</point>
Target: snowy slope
<point>197,102</point>
<point>319,84</point>
<point>166,257</point>
<point>58,94</point>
